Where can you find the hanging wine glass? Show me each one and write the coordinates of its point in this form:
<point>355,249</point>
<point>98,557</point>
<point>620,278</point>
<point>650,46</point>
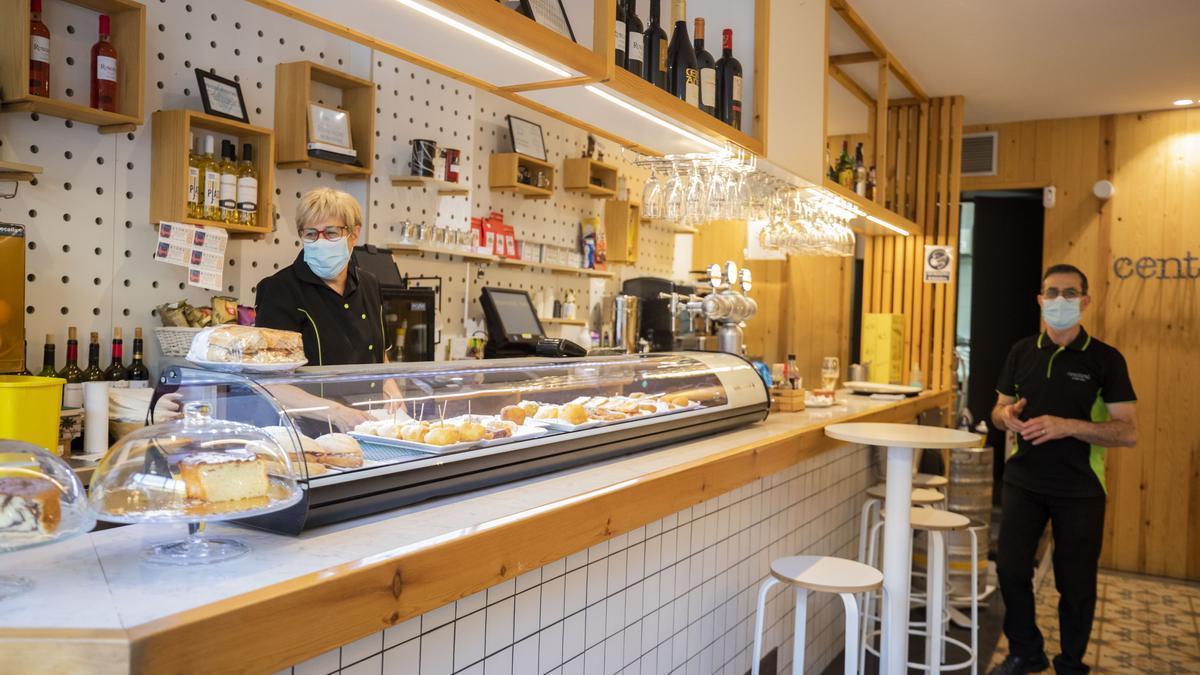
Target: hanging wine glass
<point>675,208</point>
<point>652,196</point>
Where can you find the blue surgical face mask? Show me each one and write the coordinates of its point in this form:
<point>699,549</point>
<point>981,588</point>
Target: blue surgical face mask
<point>1060,313</point>
<point>327,258</point>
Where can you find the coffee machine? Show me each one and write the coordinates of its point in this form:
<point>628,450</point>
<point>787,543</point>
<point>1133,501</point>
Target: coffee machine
<point>660,325</point>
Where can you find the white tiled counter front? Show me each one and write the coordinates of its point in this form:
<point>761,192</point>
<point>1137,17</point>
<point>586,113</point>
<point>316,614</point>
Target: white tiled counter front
<point>675,594</point>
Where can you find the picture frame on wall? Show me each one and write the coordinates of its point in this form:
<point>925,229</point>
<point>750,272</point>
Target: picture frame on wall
<point>527,138</point>
<point>551,14</point>
<point>329,126</point>
<point>222,97</point>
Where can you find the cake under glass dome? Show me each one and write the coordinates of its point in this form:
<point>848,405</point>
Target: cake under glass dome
<point>195,469</point>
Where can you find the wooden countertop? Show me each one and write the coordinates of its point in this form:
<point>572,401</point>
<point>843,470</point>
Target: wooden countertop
<point>96,607</point>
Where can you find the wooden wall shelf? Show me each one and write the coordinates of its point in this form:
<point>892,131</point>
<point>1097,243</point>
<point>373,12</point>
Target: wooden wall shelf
<point>128,20</point>
<point>556,269</point>
<point>580,174</point>
<point>411,249</point>
<point>15,171</point>
<point>622,229</point>
<point>865,226</point>
<point>293,93</point>
<point>442,187</point>
<point>169,148</point>
<point>504,168</point>
<point>562,322</point>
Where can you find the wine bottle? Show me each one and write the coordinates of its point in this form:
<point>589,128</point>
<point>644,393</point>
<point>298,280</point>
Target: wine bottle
<point>635,50</point>
<point>195,181</point>
<point>708,71</point>
<point>39,51</point>
<point>48,358</point>
<point>654,68</point>
<point>73,390</point>
<point>104,69</point>
<point>229,180</point>
<point>682,74</point>
<point>729,83</point>
<point>845,167</point>
<point>247,188</point>
<point>93,372</point>
<point>860,172</point>
<point>25,361</point>
<point>211,187</point>
<point>620,33</point>
<point>116,369</point>
<point>871,184</point>
<point>138,373</point>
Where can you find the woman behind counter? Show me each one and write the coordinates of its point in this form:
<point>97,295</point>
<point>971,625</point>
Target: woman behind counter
<point>322,295</point>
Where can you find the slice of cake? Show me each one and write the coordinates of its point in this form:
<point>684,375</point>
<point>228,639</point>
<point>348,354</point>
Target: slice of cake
<point>223,477</point>
<point>29,505</point>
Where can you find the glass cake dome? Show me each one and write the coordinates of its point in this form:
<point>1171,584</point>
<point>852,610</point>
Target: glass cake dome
<point>195,469</point>
<point>41,501</point>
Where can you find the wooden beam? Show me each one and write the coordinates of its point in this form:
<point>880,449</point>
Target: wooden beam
<point>895,102</point>
<point>872,41</point>
<point>849,83</point>
<point>856,57</point>
<point>547,84</point>
<point>881,117</point>
<point>909,82</point>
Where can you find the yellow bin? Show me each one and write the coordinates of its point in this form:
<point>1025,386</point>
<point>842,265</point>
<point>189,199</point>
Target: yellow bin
<point>29,409</point>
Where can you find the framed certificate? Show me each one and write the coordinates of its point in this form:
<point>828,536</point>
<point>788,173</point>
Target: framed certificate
<point>526,137</point>
<point>329,126</point>
<point>221,97</point>
<point>549,13</point>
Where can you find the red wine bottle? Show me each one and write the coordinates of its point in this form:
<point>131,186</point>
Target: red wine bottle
<point>635,49</point>
<point>620,33</point>
<point>116,369</point>
<point>682,74</point>
<point>39,51</point>
<point>654,69</point>
<point>138,373</point>
<point>729,83</point>
<point>708,72</point>
<point>104,70</point>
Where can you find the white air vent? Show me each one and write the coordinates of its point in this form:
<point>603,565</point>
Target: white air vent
<point>979,154</point>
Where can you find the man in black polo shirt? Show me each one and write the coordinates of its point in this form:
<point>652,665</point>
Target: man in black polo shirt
<point>1067,397</point>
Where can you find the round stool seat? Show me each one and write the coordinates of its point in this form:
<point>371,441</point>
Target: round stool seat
<point>930,480</point>
<point>935,519</point>
<point>920,496</point>
<point>826,574</point>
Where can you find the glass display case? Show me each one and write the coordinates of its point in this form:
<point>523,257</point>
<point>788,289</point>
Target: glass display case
<point>364,439</point>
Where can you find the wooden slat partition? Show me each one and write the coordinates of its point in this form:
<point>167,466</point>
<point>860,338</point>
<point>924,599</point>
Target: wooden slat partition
<point>924,143</point>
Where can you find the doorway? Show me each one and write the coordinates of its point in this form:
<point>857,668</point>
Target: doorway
<point>1000,275</point>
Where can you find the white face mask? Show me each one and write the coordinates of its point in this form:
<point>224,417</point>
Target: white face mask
<point>327,258</point>
<point>1061,313</point>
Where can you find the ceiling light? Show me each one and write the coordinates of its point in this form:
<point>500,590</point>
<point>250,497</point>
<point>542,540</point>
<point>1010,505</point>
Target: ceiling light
<point>1184,101</point>
<point>480,35</point>
<point>888,225</point>
<point>653,118</point>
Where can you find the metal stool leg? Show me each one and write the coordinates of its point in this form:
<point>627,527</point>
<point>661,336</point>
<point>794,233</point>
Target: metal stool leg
<point>974,602</point>
<point>936,598</point>
<point>868,622</point>
<point>852,621</point>
<point>798,636</point>
<point>759,616</point>
<point>869,507</point>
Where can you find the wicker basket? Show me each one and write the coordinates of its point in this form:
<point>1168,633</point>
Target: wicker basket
<point>175,340</point>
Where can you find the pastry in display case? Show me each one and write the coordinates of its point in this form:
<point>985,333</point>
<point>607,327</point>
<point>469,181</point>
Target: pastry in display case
<point>193,470</point>
<point>368,438</point>
<point>41,501</point>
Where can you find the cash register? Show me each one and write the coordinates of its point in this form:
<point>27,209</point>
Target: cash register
<point>514,330</point>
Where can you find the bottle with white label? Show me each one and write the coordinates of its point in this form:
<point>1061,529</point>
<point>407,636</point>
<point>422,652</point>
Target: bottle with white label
<point>73,389</point>
<point>195,197</point>
<point>619,33</point>
<point>729,83</point>
<point>708,71</point>
<point>211,185</point>
<point>227,197</point>
<point>683,78</point>
<point>39,51</point>
<point>635,42</point>
<point>247,188</point>
<point>104,70</point>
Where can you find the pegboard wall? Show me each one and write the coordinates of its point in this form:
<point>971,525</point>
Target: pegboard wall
<point>89,239</point>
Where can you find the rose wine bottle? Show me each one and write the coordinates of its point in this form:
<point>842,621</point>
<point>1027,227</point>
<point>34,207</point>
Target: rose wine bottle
<point>39,51</point>
<point>104,70</point>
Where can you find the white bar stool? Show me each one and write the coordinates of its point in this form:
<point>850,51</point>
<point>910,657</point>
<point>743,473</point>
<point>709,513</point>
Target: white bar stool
<point>824,574</point>
<point>933,522</point>
<point>900,440</point>
<point>921,496</point>
<point>931,481</point>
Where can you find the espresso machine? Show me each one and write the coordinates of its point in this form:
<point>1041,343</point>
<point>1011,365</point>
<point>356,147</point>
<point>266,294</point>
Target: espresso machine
<point>659,327</point>
<point>726,304</point>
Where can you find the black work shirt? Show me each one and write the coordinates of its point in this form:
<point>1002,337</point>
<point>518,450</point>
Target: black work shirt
<point>1075,382</point>
<point>337,329</point>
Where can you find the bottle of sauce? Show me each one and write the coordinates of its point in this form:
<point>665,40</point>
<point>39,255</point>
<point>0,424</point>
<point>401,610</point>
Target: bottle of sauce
<point>104,69</point>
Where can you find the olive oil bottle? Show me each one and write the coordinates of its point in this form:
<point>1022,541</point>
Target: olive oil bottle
<point>229,181</point>
<point>211,187</point>
<point>247,188</point>
<point>195,193</point>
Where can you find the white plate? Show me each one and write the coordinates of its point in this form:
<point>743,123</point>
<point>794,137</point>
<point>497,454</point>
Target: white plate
<point>413,445</point>
<point>878,388</point>
<point>563,426</point>
<point>230,367</point>
<point>524,431</point>
<point>814,403</point>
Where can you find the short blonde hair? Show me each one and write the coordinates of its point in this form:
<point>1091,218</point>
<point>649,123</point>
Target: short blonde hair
<point>323,203</point>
